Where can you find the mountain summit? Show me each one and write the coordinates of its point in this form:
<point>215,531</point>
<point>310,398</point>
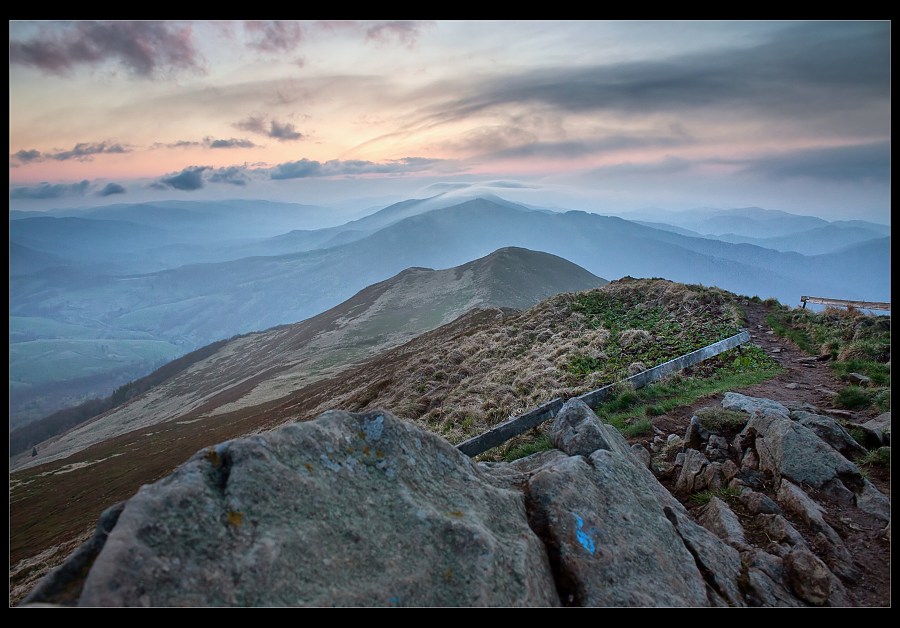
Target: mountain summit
<point>261,367</point>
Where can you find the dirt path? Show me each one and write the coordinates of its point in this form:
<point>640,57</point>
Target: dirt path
<point>801,381</point>
<point>810,382</point>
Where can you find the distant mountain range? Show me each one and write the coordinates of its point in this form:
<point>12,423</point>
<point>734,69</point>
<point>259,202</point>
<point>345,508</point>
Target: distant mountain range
<point>261,367</point>
<point>128,320</point>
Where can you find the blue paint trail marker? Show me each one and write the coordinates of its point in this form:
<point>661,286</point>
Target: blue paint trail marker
<point>586,541</point>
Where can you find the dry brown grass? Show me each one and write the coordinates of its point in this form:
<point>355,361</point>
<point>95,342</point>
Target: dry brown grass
<point>459,387</point>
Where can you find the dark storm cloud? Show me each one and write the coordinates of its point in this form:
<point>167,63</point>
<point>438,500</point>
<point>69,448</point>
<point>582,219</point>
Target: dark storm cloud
<point>281,131</point>
<point>83,151</point>
<point>144,48</point>
<point>273,35</point>
<point>49,190</point>
<point>864,162</point>
<point>234,175</point>
<point>110,189</point>
<point>306,168</point>
<point>802,70</point>
<point>191,178</point>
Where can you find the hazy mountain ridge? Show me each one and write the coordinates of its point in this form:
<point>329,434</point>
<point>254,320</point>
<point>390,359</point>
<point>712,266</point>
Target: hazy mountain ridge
<point>265,366</point>
<point>191,305</point>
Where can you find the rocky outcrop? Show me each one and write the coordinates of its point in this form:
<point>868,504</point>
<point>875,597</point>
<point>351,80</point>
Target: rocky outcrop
<point>368,510</point>
<point>349,510</point>
<point>790,450</point>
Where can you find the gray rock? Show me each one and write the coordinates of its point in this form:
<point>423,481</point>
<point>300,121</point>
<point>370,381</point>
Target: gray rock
<point>874,502</point>
<point>879,428</point>
<point>859,378</point>
<point>781,532</point>
<point>765,578</point>
<point>788,449</point>
<point>608,536</point>
<point>642,454</point>
<point>719,563</point>
<point>758,503</point>
<point>717,448</point>
<point>795,501</point>
<point>691,478</point>
<point>696,434</point>
<point>576,430</point>
<point>715,476</point>
<point>673,440</point>
<point>831,432</point>
<point>720,519</point>
<point>754,406</point>
<point>750,461</point>
<point>808,576</point>
<point>679,459</point>
<point>349,509</point>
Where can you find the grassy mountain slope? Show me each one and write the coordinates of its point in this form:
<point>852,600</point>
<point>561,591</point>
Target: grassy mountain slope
<point>456,380</point>
<point>261,367</point>
<point>192,305</point>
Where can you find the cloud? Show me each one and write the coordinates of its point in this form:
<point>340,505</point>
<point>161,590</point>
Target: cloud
<point>405,32</point>
<point>110,189</point>
<point>229,143</point>
<point>191,178</point>
<point>862,162</point>
<point>25,156</point>
<point>234,175</point>
<point>281,131</point>
<point>83,151</point>
<point>573,149</point>
<point>50,190</point>
<point>820,74</point>
<point>273,35</point>
<point>145,49</point>
<point>306,168</point>
<point>207,142</point>
<point>300,169</point>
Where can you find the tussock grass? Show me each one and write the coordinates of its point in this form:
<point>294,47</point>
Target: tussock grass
<point>463,384</point>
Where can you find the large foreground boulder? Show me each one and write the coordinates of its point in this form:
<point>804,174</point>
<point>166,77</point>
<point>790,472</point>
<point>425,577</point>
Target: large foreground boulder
<point>349,509</point>
<point>368,510</point>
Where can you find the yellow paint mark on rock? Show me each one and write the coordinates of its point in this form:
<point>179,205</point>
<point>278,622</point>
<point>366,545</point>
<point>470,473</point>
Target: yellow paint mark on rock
<point>213,457</point>
<point>235,518</point>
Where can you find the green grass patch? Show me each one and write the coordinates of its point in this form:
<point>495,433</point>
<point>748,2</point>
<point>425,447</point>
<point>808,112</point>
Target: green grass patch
<point>627,409</point>
<point>854,398</point>
<point>726,494</point>
<point>798,336</point>
<point>716,418</point>
<point>637,428</point>
<point>541,443</point>
<point>878,371</point>
<point>880,457</point>
<point>648,333</point>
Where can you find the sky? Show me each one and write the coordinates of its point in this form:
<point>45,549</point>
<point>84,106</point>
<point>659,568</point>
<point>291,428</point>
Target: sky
<point>601,116</point>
